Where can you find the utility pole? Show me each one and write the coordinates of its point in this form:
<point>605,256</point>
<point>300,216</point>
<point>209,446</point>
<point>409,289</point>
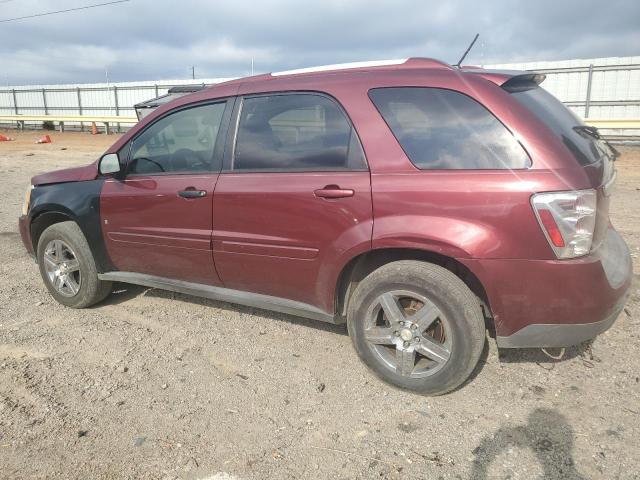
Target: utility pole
<point>193,72</point>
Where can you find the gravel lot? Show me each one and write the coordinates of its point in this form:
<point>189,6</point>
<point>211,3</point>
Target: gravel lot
<point>153,384</point>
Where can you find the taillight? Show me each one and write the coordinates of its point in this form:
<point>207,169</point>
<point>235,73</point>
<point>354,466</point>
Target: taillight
<point>567,220</point>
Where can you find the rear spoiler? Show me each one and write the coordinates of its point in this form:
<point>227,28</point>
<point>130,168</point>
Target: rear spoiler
<point>144,108</point>
<point>510,80</point>
<point>522,82</point>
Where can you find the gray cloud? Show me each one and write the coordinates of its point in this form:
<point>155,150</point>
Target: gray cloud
<point>145,40</point>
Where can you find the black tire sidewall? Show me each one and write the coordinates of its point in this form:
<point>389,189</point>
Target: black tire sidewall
<point>450,295</point>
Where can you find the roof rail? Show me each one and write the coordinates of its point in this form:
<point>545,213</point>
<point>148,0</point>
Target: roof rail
<point>414,62</point>
<point>425,62</point>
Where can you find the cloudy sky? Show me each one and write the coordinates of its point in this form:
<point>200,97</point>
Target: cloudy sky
<point>162,39</point>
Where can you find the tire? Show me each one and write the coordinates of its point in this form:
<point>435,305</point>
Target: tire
<point>62,248</point>
<point>447,337</point>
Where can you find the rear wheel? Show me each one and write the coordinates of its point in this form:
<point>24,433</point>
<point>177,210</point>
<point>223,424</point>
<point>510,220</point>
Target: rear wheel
<point>68,268</point>
<point>417,326</point>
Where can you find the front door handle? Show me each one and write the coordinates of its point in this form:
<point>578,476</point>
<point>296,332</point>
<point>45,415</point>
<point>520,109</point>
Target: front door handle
<point>334,191</point>
<point>192,193</point>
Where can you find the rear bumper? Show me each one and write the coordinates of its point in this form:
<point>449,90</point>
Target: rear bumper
<point>557,335</point>
<point>25,234</point>
<point>556,303</point>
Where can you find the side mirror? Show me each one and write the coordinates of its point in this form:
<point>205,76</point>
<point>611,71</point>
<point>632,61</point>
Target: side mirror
<point>109,164</point>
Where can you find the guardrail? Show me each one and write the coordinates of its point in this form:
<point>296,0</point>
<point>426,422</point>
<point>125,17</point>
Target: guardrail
<point>107,121</point>
<point>614,123</point>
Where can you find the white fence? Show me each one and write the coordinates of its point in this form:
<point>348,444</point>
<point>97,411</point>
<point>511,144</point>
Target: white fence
<point>93,99</point>
<point>602,88</point>
<point>599,88</point>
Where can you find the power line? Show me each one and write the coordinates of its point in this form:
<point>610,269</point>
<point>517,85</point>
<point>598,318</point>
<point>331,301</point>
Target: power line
<point>60,11</point>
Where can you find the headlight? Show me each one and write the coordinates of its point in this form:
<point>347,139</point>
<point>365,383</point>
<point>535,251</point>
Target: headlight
<point>27,200</point>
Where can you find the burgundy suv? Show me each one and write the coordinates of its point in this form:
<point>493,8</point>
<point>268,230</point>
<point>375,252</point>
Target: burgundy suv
<point>417,202</point>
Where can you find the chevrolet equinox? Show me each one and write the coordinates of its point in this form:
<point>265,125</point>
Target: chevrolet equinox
<point>417,202</point>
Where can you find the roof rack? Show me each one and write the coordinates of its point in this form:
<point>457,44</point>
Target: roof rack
<point>414,62</point>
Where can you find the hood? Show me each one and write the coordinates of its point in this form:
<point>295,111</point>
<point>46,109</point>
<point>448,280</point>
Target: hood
<point>75,174</point>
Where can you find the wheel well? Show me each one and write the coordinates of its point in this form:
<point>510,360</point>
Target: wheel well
<point>361,266</point>
<point>43,221</point>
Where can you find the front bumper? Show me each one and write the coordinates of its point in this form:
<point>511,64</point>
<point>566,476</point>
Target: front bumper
<point>556,303</point>
<point>25,234</point>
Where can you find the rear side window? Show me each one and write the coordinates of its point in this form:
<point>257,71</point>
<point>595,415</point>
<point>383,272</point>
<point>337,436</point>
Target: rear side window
<point>443,129</point>
<point>295,132</point>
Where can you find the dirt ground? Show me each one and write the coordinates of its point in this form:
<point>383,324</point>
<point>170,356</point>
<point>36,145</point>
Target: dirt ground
<point>152,384</point>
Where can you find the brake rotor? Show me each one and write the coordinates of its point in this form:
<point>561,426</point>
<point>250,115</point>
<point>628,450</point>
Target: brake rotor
<point>411,306</point>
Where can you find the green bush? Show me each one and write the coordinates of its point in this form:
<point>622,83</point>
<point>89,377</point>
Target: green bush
<point>48,125</point>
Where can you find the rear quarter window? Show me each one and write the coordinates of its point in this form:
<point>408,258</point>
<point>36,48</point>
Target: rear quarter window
<point>443,129</point>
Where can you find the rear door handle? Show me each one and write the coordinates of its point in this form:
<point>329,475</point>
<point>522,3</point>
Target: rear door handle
<point>192,193</point>
<point>334,191</point>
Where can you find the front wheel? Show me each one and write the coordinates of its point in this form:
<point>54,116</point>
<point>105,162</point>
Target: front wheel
<point>67,266</point>
<point>417,326</point>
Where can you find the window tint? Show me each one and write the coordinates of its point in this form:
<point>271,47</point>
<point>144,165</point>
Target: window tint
<point>586,148</point>
<point>181,142</point>
<point>295,132</point>
<point>442,129</point>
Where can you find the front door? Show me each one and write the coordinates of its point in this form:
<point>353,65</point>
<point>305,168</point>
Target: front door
<point>157,220</point>
<point>293,200</point>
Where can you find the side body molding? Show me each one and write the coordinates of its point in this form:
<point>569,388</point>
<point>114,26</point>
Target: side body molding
<point>257,300</point>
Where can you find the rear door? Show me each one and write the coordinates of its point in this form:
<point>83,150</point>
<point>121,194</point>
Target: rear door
<point>157,220</point>
<point>293,199</point>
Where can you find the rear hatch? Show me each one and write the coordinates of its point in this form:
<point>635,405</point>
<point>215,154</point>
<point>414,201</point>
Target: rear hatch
<point>587,147</point>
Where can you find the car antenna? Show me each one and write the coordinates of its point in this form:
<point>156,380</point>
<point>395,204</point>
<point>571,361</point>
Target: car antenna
<point>457,65</point>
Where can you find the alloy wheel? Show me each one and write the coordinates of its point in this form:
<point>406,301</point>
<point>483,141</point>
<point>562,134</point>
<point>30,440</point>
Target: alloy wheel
<point>409,333</point>
<point>62,267</point>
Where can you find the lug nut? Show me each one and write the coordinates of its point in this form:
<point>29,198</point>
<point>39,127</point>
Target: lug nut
<point>406,344</point>
<point>396,333</point>
<point>414,327</point>
<point>417,339</point>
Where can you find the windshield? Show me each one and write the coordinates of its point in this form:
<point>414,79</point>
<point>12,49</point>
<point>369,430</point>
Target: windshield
<point>583,142</point>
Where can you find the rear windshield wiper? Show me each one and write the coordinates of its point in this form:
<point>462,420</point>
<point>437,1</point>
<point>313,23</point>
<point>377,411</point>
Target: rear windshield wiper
<point>591,131</point>
<point>594,133</point>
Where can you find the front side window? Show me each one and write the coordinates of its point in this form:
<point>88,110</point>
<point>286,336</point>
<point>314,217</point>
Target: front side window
<point>295,132</point>
<point>443,129</point>
<point>182,142</point>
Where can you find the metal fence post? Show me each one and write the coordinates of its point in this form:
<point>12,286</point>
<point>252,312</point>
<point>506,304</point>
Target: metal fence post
<point>44,101</point>
<point>80,107</point>
<point>587,103</point>
<point>115,98</point>
<point>156,89</point>
<point>15,105</point>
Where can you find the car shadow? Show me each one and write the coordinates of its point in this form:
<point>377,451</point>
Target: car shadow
<point>536,355</point>
<point>547,433</point>
<point>482,361</point>
<point>123,292</point>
